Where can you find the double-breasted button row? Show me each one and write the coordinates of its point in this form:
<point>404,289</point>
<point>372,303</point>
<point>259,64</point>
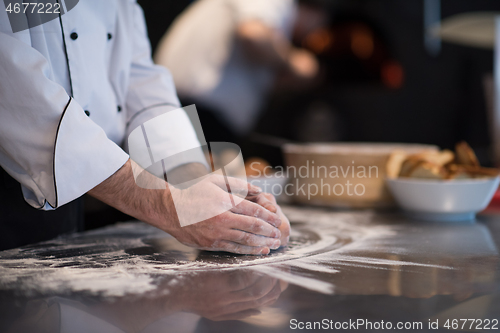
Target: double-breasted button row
<point>119,109</point>
<point>74,36</point>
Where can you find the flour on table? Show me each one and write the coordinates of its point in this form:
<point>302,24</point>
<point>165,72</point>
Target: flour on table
<point>128,258</point>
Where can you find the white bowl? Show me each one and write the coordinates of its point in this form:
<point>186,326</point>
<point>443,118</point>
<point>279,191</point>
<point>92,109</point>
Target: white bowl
<point>443,200</point>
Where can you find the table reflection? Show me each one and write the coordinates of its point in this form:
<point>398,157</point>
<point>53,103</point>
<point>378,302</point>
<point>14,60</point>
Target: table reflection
<point>340,266</point>
<point>215,295</point>
<point>421,261</point>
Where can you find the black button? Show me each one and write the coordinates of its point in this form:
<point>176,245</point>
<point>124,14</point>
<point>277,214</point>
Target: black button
<point>119,108</point>
<point>87,113</point>
<point>74,36</point>
<point>110,36</point>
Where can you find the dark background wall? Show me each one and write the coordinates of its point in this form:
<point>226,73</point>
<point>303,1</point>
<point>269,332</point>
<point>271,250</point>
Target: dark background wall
<point>160,15</point>
<point>441,101</point>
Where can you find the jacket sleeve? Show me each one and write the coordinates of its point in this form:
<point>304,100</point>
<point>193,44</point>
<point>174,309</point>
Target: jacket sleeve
<point>151,93</point>
<point>47,143</point>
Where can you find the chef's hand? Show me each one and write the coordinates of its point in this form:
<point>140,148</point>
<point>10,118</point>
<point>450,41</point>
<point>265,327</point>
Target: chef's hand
<point>250,227</point>
<point>303,64</point>
<point>268,201</point>
<point>247,228</point>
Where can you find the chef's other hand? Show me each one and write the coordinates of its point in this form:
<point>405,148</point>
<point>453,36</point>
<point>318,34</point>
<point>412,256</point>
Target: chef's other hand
<point>231,223</point>
<point>244,228</point>
<point>268,201</point>
<point>303,64</point>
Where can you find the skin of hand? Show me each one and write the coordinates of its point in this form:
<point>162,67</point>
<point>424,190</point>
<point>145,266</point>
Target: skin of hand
<point>268,201</point>
<point>262,44</point>
<point>303,64</point>
<point>297,69</point>
<point>268,47</point>
<point>248,228</point>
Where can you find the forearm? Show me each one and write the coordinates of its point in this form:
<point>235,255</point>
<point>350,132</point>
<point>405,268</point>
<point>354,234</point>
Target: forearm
<point>210,219</point>
<point>120,191</point>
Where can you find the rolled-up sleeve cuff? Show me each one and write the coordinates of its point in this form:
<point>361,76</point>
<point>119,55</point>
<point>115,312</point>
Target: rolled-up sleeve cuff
<point>83,158</point>
<point>146,114</point>
<point>167,133</point>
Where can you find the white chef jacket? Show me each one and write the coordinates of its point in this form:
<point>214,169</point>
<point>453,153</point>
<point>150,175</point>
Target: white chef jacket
<point>95,59</point>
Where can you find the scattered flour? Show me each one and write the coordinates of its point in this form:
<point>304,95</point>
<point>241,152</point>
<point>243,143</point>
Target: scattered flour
<point>333,240</point>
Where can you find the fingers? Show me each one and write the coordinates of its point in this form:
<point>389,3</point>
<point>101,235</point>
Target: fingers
<point>268,201</point>
<point>252,225</point>
<point>284,228</point>
<point>236,186</point>
<point>265,201</point>
<point>249,239</point>
<point>249,208</point>
<point>233,247</point>
<point>270,197</point>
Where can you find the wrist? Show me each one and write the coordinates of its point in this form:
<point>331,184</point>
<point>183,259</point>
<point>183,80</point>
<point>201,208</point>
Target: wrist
<point>165,216</point>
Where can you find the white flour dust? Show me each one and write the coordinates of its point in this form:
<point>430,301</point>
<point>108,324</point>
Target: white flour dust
<point>102,262</point>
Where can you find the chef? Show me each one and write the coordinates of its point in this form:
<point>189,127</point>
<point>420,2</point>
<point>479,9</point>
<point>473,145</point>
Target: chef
<point>71,91</point>
<point>225,56</point>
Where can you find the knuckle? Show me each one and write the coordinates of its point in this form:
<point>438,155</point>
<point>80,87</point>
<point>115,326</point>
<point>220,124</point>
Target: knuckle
<point>241,206</point>
<point>256,211</point>
<point>263,199</point>
<point>252,240</point>
<point>269,197</point>
<point>237,249</point>
<point>257,226</point>
<point>259,197</point>
<point>260,250</point>
<point>242,236</point>
<point>222,218</point>
<point>229,246</point>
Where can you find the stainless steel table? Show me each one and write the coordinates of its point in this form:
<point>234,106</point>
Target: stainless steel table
<point>357,270</point>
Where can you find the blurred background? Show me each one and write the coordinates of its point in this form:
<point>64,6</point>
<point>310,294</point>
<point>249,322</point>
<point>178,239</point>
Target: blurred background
<point>366,70</point>
<point>380,80</point>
